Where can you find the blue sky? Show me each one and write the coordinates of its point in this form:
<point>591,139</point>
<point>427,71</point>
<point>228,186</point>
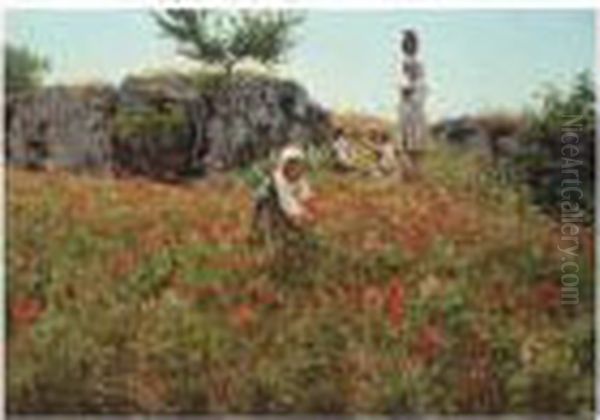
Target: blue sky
<point>475,60</point>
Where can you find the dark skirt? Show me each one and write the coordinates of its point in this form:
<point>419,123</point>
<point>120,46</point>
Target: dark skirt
<point>292,246</point>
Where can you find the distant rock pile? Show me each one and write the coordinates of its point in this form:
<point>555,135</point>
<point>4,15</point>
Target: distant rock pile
<point>163,126</point>
<point>495,136</point>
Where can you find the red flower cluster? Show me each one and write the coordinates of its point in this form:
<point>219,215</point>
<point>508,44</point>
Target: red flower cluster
<point>242,316</point>
<point>25,311</point>
<point>546,295</point>
<point>395,303</point>
<point>429,342</point>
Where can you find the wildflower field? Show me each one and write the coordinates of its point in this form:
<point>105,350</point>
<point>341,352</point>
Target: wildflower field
<point>438,296</point>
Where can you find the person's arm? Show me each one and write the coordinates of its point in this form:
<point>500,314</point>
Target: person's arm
<point>301,203</point>
<point>289,204</point>
<point>304,190</point>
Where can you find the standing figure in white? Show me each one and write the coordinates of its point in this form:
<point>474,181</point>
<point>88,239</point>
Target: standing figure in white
<point>413,129</point>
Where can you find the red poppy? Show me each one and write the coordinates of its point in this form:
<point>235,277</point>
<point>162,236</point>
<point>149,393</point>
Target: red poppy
<point>123,263</point>
<point>547,295</point>
<point>267,298</point>
<point>429,342</point>
<point>242,315</point>
<point>25,311</point>
<point>396,298</point>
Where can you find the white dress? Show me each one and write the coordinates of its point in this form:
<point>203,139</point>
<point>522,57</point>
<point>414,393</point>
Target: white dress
<point>413,128</point>
<point>292,195</point>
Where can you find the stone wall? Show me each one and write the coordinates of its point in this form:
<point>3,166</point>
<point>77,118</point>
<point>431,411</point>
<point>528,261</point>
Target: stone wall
<point>60,126</point>
<point>163,126</point>
<point>489,136</point>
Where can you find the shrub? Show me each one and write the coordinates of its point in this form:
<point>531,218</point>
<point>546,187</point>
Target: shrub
<point>141,123</point>
<point>24,69</point>
<point>543,160</point>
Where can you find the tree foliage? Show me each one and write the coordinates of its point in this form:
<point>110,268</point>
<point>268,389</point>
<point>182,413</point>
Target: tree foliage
<point>24,69</point>
<point>559,145</point>
<point>227,38</point>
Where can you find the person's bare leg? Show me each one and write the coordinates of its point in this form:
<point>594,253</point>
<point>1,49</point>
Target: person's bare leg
<point>417,159</point>
<point>413,165</point>
<point>404,166</point>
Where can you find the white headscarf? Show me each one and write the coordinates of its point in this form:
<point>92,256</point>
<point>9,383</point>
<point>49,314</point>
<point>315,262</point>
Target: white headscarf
<point>291,194</point>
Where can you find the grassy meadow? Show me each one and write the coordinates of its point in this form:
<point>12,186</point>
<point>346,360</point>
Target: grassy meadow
<point>437,296</point>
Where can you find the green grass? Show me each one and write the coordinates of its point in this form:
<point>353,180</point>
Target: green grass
<point>152,299</point>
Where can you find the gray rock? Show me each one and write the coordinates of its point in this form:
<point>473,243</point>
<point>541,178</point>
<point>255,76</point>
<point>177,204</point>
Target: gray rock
<point>463,134</point>
<point>66,127</point>
<point>161,126</point>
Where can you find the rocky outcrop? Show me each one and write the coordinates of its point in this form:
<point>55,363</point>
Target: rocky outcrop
<point>247,119</point>
<point>61,126</point>
<point>155,128</point>
<point>493,136</point>
<point>165,126</point>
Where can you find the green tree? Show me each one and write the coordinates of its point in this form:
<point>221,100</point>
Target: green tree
<point>24,69</point>
<point>227,38</point>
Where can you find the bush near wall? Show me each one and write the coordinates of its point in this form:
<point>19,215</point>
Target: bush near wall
<point>543,160</point>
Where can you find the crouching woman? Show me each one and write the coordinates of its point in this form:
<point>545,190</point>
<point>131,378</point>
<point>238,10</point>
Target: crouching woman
<point>282,214</point>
